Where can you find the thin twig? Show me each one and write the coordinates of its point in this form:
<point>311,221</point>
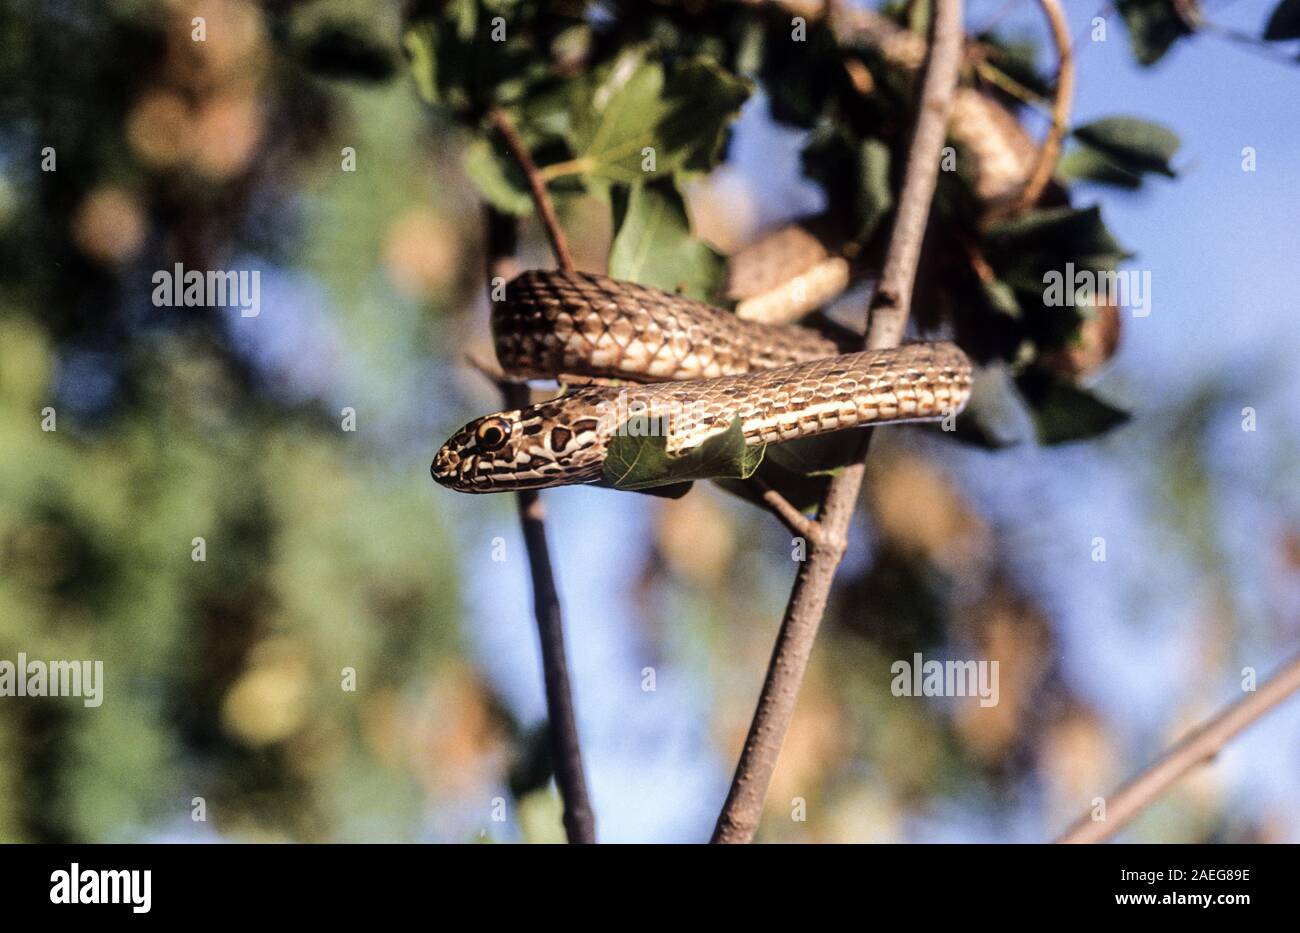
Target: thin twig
<point>1061,104</point>
<point>566,752</point>
<point>740,814</point>
<point>1199,747</point>
<point>791,517</point>
<point>548,173</point>
<point>892,300</point>
<point>995,76</point>
<point>554,232</point>
<point>486,368</point>
<point>1245,41</point>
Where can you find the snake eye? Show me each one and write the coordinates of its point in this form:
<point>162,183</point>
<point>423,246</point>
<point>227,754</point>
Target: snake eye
<point>493,433</point>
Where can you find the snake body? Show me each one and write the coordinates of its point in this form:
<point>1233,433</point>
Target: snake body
<point>782,381</point>
<point>556,322</point>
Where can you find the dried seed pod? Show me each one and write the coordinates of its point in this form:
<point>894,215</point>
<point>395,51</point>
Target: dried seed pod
<point>797,296</point>
<point>773,260</point>
<point>1097,343</point>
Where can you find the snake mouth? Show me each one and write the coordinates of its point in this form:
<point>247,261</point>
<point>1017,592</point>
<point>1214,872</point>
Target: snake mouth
<point>445,467</point>
<point>461,464</point>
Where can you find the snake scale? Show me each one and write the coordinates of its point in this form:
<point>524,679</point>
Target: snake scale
<point>698,368</point>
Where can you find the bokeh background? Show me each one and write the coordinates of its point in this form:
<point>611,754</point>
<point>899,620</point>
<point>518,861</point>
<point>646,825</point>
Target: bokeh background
<point>329,548</point>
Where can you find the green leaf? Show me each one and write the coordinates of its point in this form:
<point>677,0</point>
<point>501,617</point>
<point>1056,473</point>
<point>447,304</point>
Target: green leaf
<point>671,491</point>
<point>831,158</point>
<point>336,50</point>
<point>633,462</point>
<point>1135,146</point>
<point>800,470</point>
<point>802,80</point>
<point>975,432</point>
<point>466,57</point>
<point>990,418</point>
<point>616,120</point>
<point>1001,298</point>
<point>1017,58</point>
<point>1284,23</point>
<point>1153,26</point>
<point>918,18</point>
<point>419,43</point>
<point>1024,249</point>
<point>532,767</point>
<point>1060,227</point>
<point>1064,412</point>
<point>704,98</point>
<point>497,178</point>
<point>852,172</point>
<point>875,197</point>
<point>653,243</point>
<point>749,50</point>
<point>819,455</point>
<point>803,492</point>
<point>450,57</point>
<point>1085,164</point>
<point>545,111</point>
<point>635,121</point>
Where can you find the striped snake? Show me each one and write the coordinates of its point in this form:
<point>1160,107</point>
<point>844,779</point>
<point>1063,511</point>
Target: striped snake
<point>704,368</point>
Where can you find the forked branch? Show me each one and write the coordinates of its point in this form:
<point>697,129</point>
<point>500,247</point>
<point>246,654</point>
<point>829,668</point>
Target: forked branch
<point>740,815</point>
<point>541,199</point>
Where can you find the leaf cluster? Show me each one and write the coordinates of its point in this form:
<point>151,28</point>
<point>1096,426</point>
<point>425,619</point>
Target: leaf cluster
<point>629,103</point>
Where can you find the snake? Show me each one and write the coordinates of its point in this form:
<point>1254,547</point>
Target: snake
<point>680,363</point>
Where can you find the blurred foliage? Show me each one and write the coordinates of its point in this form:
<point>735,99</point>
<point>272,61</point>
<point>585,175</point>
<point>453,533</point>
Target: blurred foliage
<point>1155,25</point>
<point>223,676</point>
<point>1284,22</point>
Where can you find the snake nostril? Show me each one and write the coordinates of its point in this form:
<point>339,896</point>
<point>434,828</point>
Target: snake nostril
<point>444,465</point>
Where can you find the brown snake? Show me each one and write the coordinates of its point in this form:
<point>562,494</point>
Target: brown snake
<point>783,381</point>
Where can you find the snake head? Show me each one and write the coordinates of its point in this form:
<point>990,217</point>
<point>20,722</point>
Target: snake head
<point>479,451</point>
<point>552,442</point>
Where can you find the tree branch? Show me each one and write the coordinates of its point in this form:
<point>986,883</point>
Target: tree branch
<point>1050,151</point>
<point>566,752</point>
<point>554,232</point>
<point>1197,748</point>
<point>740,815</point>
<point>780,506</point>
